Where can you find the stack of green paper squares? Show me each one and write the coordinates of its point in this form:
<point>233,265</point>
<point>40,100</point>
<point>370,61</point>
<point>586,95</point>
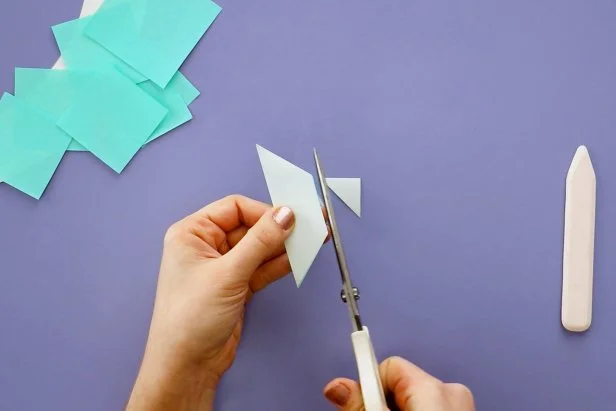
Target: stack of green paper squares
<point>120,90</point>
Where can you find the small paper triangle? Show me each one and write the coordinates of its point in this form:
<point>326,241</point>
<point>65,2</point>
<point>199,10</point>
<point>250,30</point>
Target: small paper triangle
<point>349,191</point>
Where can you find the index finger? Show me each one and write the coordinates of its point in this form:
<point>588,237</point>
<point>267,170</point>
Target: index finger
<point>233,211</point>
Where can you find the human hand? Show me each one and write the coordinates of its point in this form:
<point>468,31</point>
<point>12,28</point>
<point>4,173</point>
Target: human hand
<point>213,261</point>
<point>412,388</point>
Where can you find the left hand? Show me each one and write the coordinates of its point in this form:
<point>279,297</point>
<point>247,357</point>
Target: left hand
<point>213,262</point>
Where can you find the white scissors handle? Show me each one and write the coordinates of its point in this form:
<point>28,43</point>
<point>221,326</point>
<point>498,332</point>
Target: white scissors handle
<point>368,367</point>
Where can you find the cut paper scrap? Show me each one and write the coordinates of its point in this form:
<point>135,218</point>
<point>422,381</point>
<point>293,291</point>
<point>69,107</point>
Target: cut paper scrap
<point>152,36</point>
<point>579,244</point>
<point>173,102</point>
<point>51,91</point>
<point>291,186</point>
<point>31,146</point>
<point>348,190</point>
<point>88,8</point>
<point>112,118</point>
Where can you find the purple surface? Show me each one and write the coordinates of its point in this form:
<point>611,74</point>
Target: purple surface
<point>461,118</point>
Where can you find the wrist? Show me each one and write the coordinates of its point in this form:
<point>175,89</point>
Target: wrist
<point>163,384</point>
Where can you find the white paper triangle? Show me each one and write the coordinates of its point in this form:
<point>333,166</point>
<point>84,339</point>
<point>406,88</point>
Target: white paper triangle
<point>90,7</point>
<point>349,191</point>
<point>291,186</point>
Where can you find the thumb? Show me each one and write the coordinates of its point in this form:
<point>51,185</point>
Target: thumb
<point>261,241</point>
<point>402,379</point>
<point>345,394</point>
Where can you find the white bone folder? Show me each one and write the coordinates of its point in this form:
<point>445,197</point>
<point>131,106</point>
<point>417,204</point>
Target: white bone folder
<point>579,244</point>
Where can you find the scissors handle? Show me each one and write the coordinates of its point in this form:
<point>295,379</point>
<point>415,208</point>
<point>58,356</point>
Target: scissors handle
<point>368,367</point>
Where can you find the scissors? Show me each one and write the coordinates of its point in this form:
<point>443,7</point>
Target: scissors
<point>367,365</point>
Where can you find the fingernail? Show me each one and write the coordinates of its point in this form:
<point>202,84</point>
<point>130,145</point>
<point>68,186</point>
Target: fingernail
<point>284,217</point>
<point>338,394</point>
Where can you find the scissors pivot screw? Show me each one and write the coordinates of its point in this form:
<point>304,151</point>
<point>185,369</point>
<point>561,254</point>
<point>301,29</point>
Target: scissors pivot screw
<point>355,295</point>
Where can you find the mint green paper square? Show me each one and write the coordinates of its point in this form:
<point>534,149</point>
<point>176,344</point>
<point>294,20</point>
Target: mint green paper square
<point>31,146</point>
<point>112,118</point>
<point>152,36</point>
<point>81,52</point>
<point>51,91</point>
<point>174,103</point>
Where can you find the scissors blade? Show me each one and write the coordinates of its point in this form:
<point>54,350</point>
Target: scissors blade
<point>347,285</point>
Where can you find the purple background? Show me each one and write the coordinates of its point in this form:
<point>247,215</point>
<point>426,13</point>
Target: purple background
<point>460,117</point>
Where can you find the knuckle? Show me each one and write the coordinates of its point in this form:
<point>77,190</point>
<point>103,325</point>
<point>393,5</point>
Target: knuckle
<point>265,238</point>
<point>232,197</point>
<point>387,363</point>
<point>436,387</point>
<point>356,402</point>
<point>395,359</point>
<point>174,232</point>
<point>433,390</point>
<point>460,391</point>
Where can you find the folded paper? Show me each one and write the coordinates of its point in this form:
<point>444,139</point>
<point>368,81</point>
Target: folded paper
<point>291,186</point>
<point>348,190</point>
<point>154,37</point>
<point>112,118</point>
<point>31,146</point>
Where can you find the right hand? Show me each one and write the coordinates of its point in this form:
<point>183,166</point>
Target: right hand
<point>412,388</point>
